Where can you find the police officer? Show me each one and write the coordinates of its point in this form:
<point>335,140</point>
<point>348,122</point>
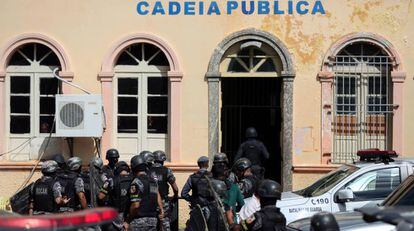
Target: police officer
<point>73,186</point>
<point>198,185</point>
<point>165,178</point>
<point>144,198</point>
<point>117,194</point>
<point>220,168</point>
<point>324,221</point>
<point>253,149</point>
<point>46,193</point>
<point>112,155</point>
<point>246,180</point>
<point>269,217</point>
<point>93,180</point>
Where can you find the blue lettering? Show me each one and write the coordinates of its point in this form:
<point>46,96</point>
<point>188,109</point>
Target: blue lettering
<point>174,8</point>
<point>299,7</point>
<point>140,9</point>
<point>244,10</point>
<point>318,8</point>
<point>213,9</point>
<point>189,8</point>
<point>276,8</point>
<point>201,8</point>
<point>290,7</point>
<point>263,7</point>
<point>158,9</point>
<point>231,5</point>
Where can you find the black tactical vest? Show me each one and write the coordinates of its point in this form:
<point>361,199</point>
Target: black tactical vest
<point>253,152</point>
<point>201,192</point>
<point>272,219</point>
<point>67,181</point>
<point>120,196</point>
<point>149,203</point>
<point>161,173</point>
<point>43,196</point>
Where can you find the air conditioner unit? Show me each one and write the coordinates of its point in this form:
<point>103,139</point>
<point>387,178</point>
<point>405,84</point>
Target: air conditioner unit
<point>79,115</point>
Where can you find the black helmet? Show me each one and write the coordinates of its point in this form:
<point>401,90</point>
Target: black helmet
<point>96,162</point>
<point>220,158</point>
<point>121,166</point>
<point>136,161</point>
<point>112,153</point>
<point>74,163</point>
<point>59,159</point>
<point>324,221</point>
<point>269,189</point>
<point>242,164</point>
<point>251,132</point>
<point>159,156</point>
<point>148,157</point>
<point>220,187</point>
<point>49,166</point>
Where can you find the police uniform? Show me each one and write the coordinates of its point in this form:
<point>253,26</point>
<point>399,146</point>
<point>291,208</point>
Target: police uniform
<point>199,187</point>
<point>72,184</point>
<point>163,176</point>
<point>268,218</point>
<point>108,171</point>
<point>145,191</point>
<point>254,150</point>
<point>43,194</point>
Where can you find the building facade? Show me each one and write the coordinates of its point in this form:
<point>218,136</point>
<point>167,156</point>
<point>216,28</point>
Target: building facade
<point>317,87</point>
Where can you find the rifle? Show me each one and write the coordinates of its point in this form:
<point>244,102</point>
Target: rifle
<point>219,204</point>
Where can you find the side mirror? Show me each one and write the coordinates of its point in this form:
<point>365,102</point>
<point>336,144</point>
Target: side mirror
<point>344,195</point>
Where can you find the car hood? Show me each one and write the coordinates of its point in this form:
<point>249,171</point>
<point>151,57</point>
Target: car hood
<point>290,199</point>
<point>346,221</point>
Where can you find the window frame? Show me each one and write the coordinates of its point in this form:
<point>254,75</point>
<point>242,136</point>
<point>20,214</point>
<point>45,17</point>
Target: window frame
<point>35,77</point>
<point>142,133</point>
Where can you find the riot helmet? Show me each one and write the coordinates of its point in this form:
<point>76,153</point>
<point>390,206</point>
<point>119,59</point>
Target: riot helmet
<point>148,157</point>
<point>112,154</point>
<point>121,166</point>
<point>96,162</point>
<point>60,160</point>
<point>74,163</point>
<point>159,156</point>
<point>269,189</point>
<point>324,221</point>
<point>220,188</point>
<point>138,163</point>
<point>49,167</point>
<point>220,158</point>
<point>242,165</point>
<point>251,132</point>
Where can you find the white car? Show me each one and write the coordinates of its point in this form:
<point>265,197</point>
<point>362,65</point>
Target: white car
<point>349,187</point>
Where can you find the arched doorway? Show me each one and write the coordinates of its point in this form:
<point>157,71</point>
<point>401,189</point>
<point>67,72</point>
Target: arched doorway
<point>250,80</point>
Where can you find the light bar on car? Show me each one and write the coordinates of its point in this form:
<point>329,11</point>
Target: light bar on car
<point>62,221</point>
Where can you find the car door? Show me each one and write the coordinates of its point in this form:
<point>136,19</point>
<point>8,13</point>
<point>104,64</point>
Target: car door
<point>372,186</point>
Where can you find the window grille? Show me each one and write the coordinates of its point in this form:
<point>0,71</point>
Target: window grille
<point>363,109</point>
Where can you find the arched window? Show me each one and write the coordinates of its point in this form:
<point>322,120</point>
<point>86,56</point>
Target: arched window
<point>32,89</point>
<point>141,98</point>
<point>362,97</point>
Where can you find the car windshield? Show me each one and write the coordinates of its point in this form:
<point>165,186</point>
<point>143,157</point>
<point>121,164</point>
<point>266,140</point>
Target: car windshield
<point>403,195</point>
<point>327,182</point>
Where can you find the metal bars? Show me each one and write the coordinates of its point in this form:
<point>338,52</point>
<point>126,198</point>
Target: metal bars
<point>363,109</point>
